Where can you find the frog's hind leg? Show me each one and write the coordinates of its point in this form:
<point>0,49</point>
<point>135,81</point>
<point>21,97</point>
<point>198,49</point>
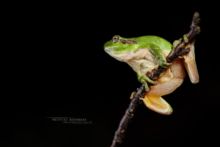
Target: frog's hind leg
<point>167,83</point>
<point>190,64</point>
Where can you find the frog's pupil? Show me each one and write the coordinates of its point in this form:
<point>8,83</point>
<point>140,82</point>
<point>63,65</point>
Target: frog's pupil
<point>115,39</point>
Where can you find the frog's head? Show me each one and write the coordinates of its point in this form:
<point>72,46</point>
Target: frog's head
<point>119,47</point>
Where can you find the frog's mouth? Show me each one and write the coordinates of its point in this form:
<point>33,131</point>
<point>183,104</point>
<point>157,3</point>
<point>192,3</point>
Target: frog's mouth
<point>111,52</point>
<point>120,56</point>
<point>107,50</point>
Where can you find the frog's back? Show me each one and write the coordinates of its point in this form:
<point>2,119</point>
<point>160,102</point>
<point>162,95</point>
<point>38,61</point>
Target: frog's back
<point>154,40</point>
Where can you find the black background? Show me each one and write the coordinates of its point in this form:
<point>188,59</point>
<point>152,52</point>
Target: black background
<point>56,67</point>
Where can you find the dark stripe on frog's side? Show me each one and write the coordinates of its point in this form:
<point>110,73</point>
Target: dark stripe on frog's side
<point>117,38</point>
<point>128,41</point>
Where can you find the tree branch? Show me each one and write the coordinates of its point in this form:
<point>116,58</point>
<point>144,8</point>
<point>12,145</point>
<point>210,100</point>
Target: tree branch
<point>177,52</point>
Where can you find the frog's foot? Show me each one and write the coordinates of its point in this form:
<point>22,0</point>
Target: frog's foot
<point>176,42</point>
<point>157,104</point>
<point>185,38</point>
<point>165,64</point>
<point>145,80</point>
<point>132,95</point>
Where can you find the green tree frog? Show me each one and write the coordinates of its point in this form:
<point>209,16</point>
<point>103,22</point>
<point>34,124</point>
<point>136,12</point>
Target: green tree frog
<point>146,53</point>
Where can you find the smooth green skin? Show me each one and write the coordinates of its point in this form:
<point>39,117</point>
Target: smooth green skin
<point>157,46</point>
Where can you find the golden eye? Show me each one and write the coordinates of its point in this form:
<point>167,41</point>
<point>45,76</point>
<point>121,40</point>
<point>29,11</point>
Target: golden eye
<point>115,38</point>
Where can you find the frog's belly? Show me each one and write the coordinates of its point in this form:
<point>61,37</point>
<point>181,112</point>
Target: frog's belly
<point>142,61</point>
<point>142,66</point>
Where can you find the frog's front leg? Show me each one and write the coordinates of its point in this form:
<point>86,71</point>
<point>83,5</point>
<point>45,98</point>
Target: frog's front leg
<point>166,84</point>
<point>144,80</point>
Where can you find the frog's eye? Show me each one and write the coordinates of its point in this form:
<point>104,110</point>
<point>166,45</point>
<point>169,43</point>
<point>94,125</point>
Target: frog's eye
<point>115,38</point>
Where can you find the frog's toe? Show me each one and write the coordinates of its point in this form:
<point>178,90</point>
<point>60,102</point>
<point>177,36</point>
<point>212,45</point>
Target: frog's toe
<point>142,79</point>
<point>165,64</point>
<point>176,42</point>
<point>185,38</point>
<point>151,81</point>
